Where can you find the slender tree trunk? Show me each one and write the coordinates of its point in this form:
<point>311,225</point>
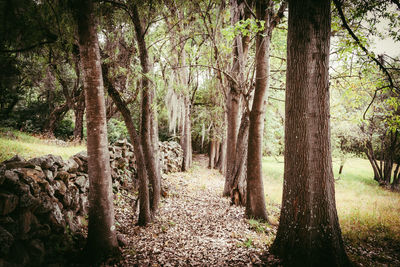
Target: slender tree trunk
<point>255,204</point>
<point>144,198</point>
<point>79,114</point>
<point>186,136</point>
<point>216,158</point>
<point>211,153</point>
<point>309,233</point>
<point>101,230</point>
<point>146,126</point>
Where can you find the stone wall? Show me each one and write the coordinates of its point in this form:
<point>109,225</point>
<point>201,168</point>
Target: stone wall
<point>44,200</point>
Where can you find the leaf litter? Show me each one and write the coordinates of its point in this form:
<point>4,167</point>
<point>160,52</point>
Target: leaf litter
<point>195,226</point>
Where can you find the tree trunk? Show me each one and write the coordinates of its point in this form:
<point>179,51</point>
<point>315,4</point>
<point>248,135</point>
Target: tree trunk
<point>374,164</point>
<point>212,154</point>
<point>186,136</point>
<point>146,126</point>
<point>255,204</point>
<point>55,117</point>
<point>239,186</point>
<point>101,230</point>
<point>234,97</point>
<point>144,198</point>
<point>309,233</point>
<point>216,158</point>
<point>79,113</point>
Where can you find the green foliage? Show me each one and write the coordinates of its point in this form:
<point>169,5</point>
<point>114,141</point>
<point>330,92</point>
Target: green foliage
<point>258,226</point>
<point>116,130</point>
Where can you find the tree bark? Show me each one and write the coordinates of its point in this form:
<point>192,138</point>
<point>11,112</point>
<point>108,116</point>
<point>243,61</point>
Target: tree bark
<point>145,216</point>
<point>147,102</point>
<point>79,114</point>
<point>309,233</point>
<point>255,204</point>
<point>102,239</point>
<point>239,184</point>
<point>212,154</point>
<point>234,97</point>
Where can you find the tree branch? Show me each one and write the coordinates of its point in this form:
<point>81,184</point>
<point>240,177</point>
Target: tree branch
<point>338,5</point>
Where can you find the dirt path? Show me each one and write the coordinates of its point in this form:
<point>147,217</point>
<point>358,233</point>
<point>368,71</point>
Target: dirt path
<point>195,226</point>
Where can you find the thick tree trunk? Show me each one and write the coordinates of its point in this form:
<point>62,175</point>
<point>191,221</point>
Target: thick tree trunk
<point>144,198</point>
<point>255,204</point>
<point>146,126</point>
<point>309,233</point>
<point>232,132</point>
<point>101,230</point>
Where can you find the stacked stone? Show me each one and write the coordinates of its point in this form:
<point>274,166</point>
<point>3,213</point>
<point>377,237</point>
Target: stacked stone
<point>171,156</point>
<point>44,201</point>
<point>39,198</point>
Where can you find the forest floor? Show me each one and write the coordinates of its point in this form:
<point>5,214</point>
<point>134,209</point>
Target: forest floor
<point>195,226</point>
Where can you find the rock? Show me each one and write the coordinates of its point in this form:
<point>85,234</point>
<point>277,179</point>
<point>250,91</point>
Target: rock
<point>14,159</point>
<point>49,175</point>
<point>64,176</point>
<point>56,218</point>
<point>19,164</point>
<point>37,251</point>
<point>48,162</point>
<point>8,203</point>
<point>83,183</point>
<point>42,231</point>
<point>24,223</point>
<point>6,241</point>
<point>46,204</point>
<point>70,166</point>
<point>29,201</point>
<point>73,193</point>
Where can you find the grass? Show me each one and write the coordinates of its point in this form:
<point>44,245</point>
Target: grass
<point>368,214</point>
<point>13,142</point>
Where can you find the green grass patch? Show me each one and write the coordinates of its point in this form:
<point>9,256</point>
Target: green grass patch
<point>368,213</point>
<point>14,142</point>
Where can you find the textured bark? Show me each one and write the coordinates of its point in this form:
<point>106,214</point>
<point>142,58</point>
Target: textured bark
<point>101,230</point>
<point>186,136</point>
<point>147,113</point>
<point>255,204</point>
<point>309,233</point>
<point>239,184</point>
<point>145,216</point>
<point>234,98</point>
<point>79,114</point>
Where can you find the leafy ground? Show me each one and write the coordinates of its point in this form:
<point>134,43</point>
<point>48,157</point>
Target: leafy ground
<point>195,226</point>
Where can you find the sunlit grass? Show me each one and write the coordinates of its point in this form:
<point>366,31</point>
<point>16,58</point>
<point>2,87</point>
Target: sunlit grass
<point>367,212</point>
<point>14,142</point>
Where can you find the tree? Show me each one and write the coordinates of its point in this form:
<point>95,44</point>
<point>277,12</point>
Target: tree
<point>309,233</point>
<point>102,239</point>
